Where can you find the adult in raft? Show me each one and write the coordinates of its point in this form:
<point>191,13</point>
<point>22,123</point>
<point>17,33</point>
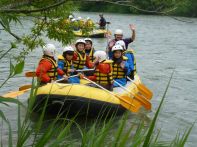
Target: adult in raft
<point>66,64</point>
<point>47,69</point>
<point>103,74</point>
<point>80,59</point>
<point>118,35</point>
<point>121,68</point>
<point>102,22</point>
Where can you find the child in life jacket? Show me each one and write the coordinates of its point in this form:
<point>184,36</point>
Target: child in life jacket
<point>120,66</point>
<point>47,69</point>
<point>89,49</point>
<point>66,64</point>
<point>129,53</point>
<point>80,59</point>
<point>103,73</point>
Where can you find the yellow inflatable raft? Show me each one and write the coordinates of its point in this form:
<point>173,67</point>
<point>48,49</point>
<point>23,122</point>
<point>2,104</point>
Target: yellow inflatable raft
<point>98,33</point>
<point>81,99</point>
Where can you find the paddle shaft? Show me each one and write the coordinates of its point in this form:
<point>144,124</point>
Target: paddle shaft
<point>143,89</point>
<point>123,87</point>
<point>106,90</point>
<point>33,73</point>
<point>127,89</point>
<point>25,88</point>
<point>142,100</point>
<point>63,78</point>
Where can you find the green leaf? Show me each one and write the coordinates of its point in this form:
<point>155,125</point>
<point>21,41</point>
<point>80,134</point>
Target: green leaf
<point>10,100</point>
<point>19,67</point>
<point>13,45</point>
<point>11,68</point>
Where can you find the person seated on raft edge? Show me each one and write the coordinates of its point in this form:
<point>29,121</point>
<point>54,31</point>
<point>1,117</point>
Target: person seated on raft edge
<point>80,59</point>
<point>103,73</point>
<point>119,36</point>
<point>47,69</point>
<point>129,53</point>
<point>66,64</point>
<point>120,66</point>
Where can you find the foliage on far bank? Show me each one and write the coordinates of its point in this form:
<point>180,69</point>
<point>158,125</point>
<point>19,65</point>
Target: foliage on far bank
<point>154,7</point>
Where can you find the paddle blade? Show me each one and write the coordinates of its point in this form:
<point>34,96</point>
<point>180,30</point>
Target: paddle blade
<point>14,94</point>
<point>24,87</point>
<point>143,90</point>
<point>30,74</point>
<point>145,102</point>
<point>129,103</point>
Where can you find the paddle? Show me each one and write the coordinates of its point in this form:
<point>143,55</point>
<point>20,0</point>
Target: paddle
<point>125,101</point>
<point>143,89</point>
<point>25,88</point>
<point>14,94</point>
<point>142,100</point>
<point>33,73</point>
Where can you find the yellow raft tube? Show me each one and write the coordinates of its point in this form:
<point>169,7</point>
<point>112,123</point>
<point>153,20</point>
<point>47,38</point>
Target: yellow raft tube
<point>97,33</point>
<point>81,99</point>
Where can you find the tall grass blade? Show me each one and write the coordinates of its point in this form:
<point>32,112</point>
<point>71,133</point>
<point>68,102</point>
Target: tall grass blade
<point>185,136</point>
<point>102,136</point>
<point>150,131</point>
<point>9,127</point>
<point>120,131</point>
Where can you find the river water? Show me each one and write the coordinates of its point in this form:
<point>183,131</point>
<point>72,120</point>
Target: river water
<point>162,44</point>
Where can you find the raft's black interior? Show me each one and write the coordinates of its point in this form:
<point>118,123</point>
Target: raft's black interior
<point>71,106</point>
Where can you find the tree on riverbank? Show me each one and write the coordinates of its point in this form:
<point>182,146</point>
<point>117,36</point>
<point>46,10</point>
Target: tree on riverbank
<point>158,7</point>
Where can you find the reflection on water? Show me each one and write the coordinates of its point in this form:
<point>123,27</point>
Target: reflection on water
<point>161,45</point>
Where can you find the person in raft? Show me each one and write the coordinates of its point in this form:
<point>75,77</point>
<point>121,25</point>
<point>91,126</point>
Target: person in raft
<point>119,36</point>
<point>66,64</point>
<point>120,66</point>
<point>102,22</point>
<point>89,49</point>
<point>80,59</point>
<point>103,73</point>
<point>129,53</point>
<point>47,69</point>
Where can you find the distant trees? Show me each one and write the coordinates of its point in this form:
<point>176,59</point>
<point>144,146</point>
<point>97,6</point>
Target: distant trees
<point>164,7</point>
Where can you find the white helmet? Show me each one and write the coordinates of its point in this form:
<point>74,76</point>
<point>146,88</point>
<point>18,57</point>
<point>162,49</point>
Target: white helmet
<point>88,39</point>
<point>117,48</point>
<point>122,43</point>
<point>118,32</point>
<point>73,19</point>
<point>49,49</point>
<point>79,18</point>
<point>70,17</point>
<point>68,48</point>
<point>80,41</point>
<point>101,55</point>
<point>88,18</point>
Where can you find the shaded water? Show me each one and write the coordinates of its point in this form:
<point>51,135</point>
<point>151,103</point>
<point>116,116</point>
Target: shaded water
<point>161,45</point>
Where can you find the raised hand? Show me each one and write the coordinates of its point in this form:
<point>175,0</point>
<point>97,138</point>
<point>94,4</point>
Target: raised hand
<point>132,27</point>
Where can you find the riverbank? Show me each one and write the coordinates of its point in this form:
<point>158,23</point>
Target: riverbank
<point>186,8</point>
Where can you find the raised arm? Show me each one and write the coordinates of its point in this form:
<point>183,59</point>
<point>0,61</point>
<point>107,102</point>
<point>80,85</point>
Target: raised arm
<point>132,27</point>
